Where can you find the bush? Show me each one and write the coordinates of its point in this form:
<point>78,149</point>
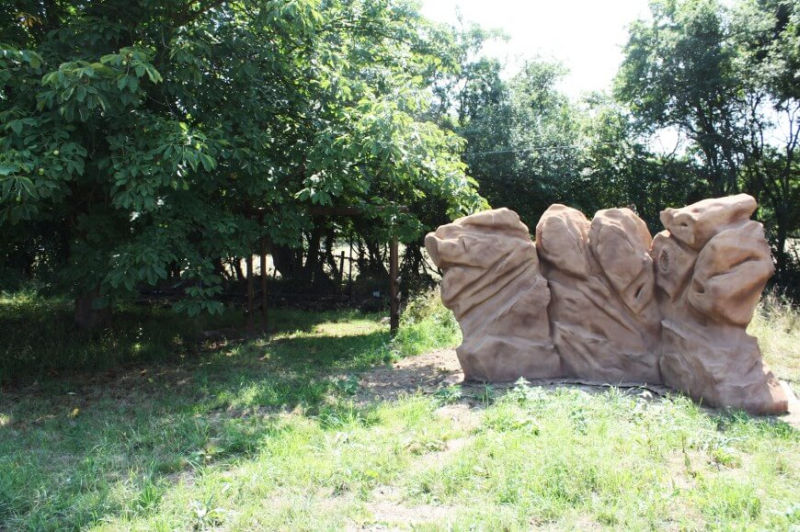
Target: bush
<point>426,325</point>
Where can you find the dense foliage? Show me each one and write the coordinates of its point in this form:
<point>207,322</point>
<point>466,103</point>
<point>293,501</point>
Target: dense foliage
<point>721,81</point>
<point>727,81</point>
<point>152,140</point>
<point>152,143</point>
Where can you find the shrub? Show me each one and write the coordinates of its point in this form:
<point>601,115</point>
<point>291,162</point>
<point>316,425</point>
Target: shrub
<point>425,325</point>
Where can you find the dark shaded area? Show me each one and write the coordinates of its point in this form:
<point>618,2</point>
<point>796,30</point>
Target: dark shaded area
<point>39,340</point>
<point>221,407</point>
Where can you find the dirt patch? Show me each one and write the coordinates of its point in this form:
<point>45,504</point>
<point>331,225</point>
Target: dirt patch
<point>461,415</point>
<point>389,511</point>
<point>430,372</point>
<point>424,373</point>
<point>392,516</point>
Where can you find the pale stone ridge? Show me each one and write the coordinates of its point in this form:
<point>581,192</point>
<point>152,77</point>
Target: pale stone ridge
<point>609,303</point>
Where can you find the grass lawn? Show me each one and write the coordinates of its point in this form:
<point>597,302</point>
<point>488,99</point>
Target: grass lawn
<point>275,434</point>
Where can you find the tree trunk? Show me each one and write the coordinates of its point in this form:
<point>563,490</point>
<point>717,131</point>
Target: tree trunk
<point>287,261</point>
<point>376,265</point>
<point>330,240</point>
<point>780,240</point>
<point>219,269</point>
<point>313,271</point>
<point>237,267</point>
<point>87,314</point>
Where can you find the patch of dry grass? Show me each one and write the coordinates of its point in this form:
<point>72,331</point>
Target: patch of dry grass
<point>776,324</point>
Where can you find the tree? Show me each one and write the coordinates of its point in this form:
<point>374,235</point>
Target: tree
<point>618,168</point>
<point>147,134</point>
<point>485,116</point>
<point>523,136</point>
<point>679,72</point>
<point>768,37</point>
<point>726,79</point>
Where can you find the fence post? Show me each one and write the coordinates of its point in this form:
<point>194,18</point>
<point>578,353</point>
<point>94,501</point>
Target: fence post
<point>250,290</point>
<point>264,283</point>
<point>394,293</point>
<point>341,269</point>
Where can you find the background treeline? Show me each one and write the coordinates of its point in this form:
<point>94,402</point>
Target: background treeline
<point>719,87</point>
<point>154,143</point>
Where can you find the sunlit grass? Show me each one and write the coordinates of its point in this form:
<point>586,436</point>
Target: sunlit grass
<point>272,433</point>
<point>776,324</point>
<point>426,324</point>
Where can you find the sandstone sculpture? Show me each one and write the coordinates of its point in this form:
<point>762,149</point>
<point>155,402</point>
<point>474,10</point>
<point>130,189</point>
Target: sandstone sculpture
<point>712,263</point>
<point>603,314</point>
<point>500,299</point>
<point>609,303</point>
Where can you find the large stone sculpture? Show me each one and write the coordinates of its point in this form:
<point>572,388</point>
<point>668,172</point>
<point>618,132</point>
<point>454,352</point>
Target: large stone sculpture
<point>603,314</point>
<point>712,263</point>
<point>609,303</point>
<point>494,288</point>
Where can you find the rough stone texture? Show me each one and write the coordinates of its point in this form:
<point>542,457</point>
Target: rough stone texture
<point>608,303</point>
<point>603,314</point>
<point>493,286</point>
<point>696,224</point>
<point>709,282</point>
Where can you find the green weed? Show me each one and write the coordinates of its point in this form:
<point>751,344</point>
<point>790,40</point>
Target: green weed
<point>426,325</point>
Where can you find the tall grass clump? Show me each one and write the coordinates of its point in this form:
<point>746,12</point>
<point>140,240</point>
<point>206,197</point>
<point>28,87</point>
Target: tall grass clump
<point>776,324</point>
<point>425,325</point>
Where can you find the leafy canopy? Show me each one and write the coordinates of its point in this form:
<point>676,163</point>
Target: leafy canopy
<point>139,138</point>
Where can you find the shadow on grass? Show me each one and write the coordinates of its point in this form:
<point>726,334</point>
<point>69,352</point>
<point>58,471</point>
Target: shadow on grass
<point>139,429</point>
<point>129,441</point>
<point>38,338</point>
<point>77,449</point>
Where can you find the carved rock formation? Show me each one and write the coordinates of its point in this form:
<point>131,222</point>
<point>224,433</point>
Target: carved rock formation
<point>712,263</point>
<point>608,303</point>
<point>603,313</point>
<point>494,288</point>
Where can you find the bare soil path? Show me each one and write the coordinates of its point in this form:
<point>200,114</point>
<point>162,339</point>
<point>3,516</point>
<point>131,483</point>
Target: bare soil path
<point>430,372</point>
